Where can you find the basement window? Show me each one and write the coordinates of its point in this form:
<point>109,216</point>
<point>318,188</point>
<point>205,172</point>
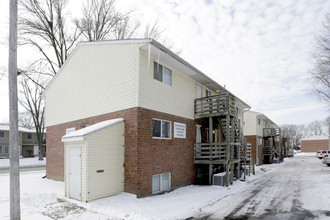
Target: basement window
<point>162,74</point>
<point>161,182</point>
<point>161,129</point>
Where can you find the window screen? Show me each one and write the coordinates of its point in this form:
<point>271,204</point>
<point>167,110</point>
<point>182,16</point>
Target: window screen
<point>165,129</point>
<point>166,182</point>
<point>167,76</point>
<point>155,183</point>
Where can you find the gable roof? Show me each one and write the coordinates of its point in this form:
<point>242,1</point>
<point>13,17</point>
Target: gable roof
<point>5,127</point>
<point>155,49</point>
<point>81,133</point>
<point>261,115</point>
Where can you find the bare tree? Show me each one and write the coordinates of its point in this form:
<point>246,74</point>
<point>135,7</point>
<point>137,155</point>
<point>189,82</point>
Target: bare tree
<point>42,25</point>
<point>25,120</point>
<point>296,132</point>
<point>315,128</point>
<point>101,21</point>
<point>31,90</point>
<point>321,72</point>
<point>2,72</point>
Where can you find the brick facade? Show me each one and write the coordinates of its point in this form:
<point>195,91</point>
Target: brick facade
<point>144,155</point>
<point>314,145</point>
<point>252,139</point>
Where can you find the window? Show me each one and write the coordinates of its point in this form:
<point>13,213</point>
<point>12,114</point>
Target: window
<point>207,134</point>
<point>84,125</point>
<point>198,91</point>
<point>0,149</point>
<point>161,129</point>
<point>29,136</point>
<point>2,134</point>
<point>162,73</point>
<point>207,93</point>
<point>161,182</point>
<point>6,149</point>
<point>258,121</point>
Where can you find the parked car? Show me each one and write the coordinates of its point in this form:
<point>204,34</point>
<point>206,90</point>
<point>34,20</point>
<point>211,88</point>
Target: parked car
<point>326,160</point>
<point>320,153</point>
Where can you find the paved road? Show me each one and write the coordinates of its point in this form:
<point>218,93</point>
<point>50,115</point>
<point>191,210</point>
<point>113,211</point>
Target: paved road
<point>26,169</point>
<point>289,191</point>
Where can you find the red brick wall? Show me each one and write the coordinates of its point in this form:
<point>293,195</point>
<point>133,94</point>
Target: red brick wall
<point>314,145</point>
<point>252,140</point>
<point>144,156</point>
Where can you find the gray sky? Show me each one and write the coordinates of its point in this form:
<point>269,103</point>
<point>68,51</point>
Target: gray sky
<point>260,50</point>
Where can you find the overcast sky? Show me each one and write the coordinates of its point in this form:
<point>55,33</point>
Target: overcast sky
<point>260,50</point>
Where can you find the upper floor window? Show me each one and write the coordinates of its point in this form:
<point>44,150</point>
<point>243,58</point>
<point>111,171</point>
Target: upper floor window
<point>2,134</point>
<point>207,93</point>
<point>162,73</point>
<point>84,125</point>
<point>161,129</point>
<point>29,136</point>
<point>259,121</point>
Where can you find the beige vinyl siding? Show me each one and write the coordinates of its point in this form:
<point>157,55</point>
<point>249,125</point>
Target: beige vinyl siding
<point>82,146</point>
<point>250,126</point>
<point>177,99</point>
<point>106,152</point>
<point>97,79</point>
<point>5,139</point>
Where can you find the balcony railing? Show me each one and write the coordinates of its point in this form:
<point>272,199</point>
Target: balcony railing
<point>216,105</point>
<point>215,152</point>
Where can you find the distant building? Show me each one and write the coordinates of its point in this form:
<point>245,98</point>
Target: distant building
<point>28,142</point>
<point>315,143</point>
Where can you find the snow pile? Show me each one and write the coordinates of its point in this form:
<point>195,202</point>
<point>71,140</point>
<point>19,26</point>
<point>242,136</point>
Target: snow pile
<point>44,199</point>
<point>24,162</point>
<point>36,193</point>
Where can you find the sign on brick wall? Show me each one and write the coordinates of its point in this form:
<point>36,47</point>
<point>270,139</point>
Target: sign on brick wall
<point>179,130</point>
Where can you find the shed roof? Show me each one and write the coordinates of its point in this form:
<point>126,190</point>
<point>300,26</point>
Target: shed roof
<point>81,133</point>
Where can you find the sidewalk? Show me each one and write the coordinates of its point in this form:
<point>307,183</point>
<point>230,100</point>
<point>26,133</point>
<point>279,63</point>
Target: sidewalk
<point>24,163</point>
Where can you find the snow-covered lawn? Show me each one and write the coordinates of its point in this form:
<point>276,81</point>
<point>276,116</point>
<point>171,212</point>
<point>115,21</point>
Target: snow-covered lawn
<point>24,162</point>
<point>44,199</point>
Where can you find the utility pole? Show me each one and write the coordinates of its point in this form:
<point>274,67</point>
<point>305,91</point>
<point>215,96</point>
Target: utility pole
<point>15,211</point>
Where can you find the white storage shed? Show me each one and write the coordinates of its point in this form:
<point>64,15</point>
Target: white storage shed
<point>94,161</point>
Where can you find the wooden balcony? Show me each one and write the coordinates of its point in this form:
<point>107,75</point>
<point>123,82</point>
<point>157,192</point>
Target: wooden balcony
<point>215,153</point>
<point>216,105</point>
<point>269,132</point>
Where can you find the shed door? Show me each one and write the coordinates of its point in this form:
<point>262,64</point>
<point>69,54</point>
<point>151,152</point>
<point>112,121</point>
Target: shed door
<point>75,173</point>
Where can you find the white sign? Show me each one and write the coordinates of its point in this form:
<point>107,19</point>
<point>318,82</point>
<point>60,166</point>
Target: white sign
<point>179,130</point>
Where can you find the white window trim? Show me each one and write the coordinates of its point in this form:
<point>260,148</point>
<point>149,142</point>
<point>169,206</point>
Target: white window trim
<point>161,183</point>
<point>163,66</point>
<point>162,128</point>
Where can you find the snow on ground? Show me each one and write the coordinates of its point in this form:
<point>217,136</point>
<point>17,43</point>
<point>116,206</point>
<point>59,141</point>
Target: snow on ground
<point>44,199</point>
<point>24,162</point>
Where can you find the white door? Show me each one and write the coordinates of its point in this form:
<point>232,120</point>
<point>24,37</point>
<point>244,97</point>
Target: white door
<point>75,173</point>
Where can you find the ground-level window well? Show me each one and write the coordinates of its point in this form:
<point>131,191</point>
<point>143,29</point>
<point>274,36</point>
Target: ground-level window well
<point>161,182</point>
